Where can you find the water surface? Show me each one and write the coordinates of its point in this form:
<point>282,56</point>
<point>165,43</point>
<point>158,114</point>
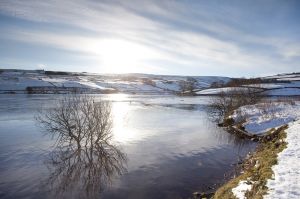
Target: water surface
<point>172,148</point>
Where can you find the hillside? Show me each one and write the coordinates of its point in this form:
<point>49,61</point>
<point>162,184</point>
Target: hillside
<point>39,81</point>
<point>277,85</point>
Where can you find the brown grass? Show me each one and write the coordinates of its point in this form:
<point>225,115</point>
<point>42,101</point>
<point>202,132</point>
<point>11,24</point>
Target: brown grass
<point>258,166</point>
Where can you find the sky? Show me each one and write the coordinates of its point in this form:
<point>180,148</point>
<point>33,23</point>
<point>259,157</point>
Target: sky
<point>246,38</point>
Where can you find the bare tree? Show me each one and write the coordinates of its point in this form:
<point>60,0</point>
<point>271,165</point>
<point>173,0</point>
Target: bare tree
<point>217,84</point>
<point>84,172</point>
<point>84,158</point>
<point>226,102</point>
<point>78,120</point>
<point>188,86</point>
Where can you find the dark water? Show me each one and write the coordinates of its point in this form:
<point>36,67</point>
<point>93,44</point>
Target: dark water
<point>172,149</point>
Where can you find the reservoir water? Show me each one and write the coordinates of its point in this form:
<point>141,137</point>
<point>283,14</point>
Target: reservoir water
<point>172,149</point>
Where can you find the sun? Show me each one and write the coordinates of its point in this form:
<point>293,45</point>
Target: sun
<point>120,56</point>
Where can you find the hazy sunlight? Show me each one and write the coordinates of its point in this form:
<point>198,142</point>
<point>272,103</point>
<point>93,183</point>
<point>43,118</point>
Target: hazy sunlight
<point>120,56</point>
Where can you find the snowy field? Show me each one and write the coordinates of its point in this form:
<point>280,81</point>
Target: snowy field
<point>263,116</point>
<point>18,82</point>
<point>278,85</point>
<point>271,89</point>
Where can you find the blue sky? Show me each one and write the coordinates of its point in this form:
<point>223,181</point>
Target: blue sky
<point>228,38</point>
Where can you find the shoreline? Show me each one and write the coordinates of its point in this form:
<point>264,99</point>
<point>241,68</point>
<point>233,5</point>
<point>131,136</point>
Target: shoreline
<point>257,172</point>
<point>251,168</point>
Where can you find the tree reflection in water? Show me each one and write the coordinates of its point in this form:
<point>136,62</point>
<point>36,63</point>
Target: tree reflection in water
<point>84,171</point>
<point>84,160</point>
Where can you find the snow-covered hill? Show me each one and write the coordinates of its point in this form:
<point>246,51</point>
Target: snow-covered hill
<point>277,85</point>
<point>25,81</point>
<point>39,81</point>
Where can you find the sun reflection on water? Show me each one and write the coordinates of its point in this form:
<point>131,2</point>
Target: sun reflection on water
<point>122,114</point>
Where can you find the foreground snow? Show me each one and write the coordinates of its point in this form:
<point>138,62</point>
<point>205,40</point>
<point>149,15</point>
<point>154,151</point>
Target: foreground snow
<point>286,182</point>
<point>262,117</point>
<point>241,189</point>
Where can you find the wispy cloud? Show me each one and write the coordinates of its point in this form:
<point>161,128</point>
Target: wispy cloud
<point>179,37</point>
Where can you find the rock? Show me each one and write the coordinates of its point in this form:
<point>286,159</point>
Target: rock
<point>196,195</point>
<point>220,124</point>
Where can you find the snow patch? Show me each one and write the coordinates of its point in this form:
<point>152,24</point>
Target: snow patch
<point>241,189</point>
<point>215,91</point>
<point>263,116</point>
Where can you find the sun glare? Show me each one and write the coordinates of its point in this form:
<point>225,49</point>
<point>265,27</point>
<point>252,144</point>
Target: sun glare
<point>122,132</point>
<point>120,56</point>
